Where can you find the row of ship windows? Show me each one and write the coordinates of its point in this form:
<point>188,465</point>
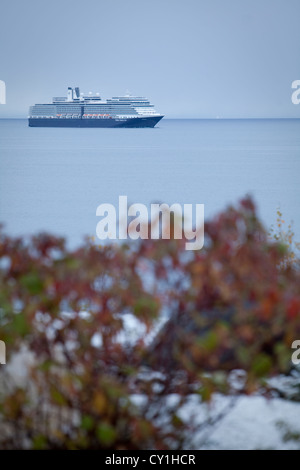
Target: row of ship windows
<point>78,108</point>
<point>127,101</point>
<point>48,111</point>
<point>106,103</point>
<point>109,103</point>
<point>85,116</point>
<point>89,107</point>
<point>109,109</point>
<point>85,110</point>
<point>86,113</point>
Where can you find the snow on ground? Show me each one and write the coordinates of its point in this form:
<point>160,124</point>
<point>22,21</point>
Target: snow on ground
<point>251,424</point>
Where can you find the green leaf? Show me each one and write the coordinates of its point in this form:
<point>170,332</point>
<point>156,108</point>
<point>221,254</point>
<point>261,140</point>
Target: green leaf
<point>209,341</point>
<point>87,422</point>
<point>243,355</point>
<point>106,434</point>
<point>283,354</point>
<point>39,442</point>
<point>261,365</point>
<point>282,248</point>
<point>146,305</point>
<point>57,397</point>
<point>46,365</point>
<point>205,392</point>
<point>32,283</point>
<point>20,324</point>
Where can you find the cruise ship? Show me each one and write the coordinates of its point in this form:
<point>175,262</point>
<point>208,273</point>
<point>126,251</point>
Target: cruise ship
<point>79,110</point>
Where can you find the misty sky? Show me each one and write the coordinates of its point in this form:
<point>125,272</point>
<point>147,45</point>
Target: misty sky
<point>192,58</point>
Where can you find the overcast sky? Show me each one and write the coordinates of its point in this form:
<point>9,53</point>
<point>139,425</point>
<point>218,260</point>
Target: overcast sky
<point>192,58</point>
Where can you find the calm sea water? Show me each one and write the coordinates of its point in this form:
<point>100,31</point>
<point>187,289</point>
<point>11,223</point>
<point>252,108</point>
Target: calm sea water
<point>54,179</point>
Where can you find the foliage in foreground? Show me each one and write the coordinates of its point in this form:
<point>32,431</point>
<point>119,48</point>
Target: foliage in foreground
<point>232,306</point>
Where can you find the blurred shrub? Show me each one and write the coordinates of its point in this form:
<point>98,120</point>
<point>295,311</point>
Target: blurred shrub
<point>233,306</point>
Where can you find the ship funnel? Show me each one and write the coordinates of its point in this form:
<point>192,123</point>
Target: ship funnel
<point>70,94</point>
<point>77,92</point>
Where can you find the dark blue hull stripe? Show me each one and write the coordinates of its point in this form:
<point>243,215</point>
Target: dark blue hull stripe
<point>133,122</point>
